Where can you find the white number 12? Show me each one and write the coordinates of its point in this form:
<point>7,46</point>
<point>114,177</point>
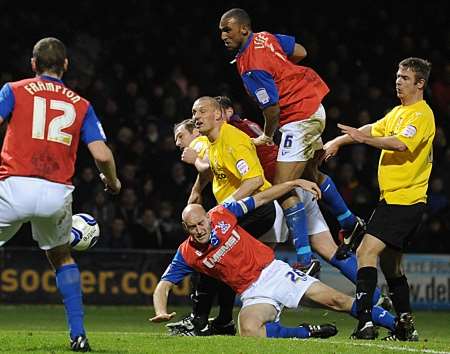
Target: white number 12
<point>57,124</point>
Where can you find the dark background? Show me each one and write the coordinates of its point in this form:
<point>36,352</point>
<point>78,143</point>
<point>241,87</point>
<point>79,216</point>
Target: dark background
<point>143,63</point>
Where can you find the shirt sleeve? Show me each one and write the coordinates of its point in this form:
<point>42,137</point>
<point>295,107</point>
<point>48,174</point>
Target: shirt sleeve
<point>241,207</point>
<point>261,86</point>
<point>379,127</point>
<point>177,270</point>
<point>413,131</point>
<point>92,129</point>
<point>245,162</point>
<point>287,43</point>
<point>7,101</point>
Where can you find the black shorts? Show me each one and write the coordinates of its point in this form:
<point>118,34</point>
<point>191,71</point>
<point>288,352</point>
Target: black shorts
<point>395,224</point>
<point>259,221</point>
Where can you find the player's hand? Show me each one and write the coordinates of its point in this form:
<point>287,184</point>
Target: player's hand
<point>262,140</point>
<point>331,149</point>
<point>189,155</point>
<point>356,134</point>
<point>163,317</point>
<point>310,187</point>
<point>111,187</point>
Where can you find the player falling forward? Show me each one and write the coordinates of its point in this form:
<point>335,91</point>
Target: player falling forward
<point>219,247</point>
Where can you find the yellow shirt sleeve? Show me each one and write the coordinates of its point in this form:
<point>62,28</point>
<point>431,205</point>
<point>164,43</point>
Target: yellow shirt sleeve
<point>245,163</point>
<point>414,129</point>
<point>379,127</point>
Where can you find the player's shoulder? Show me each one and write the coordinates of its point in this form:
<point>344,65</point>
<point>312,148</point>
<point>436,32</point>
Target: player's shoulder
<point>232,134</point>
<point>19,83</point>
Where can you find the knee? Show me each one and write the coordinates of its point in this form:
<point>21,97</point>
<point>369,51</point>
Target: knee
<point>341,302</point>
<point>248,328</point>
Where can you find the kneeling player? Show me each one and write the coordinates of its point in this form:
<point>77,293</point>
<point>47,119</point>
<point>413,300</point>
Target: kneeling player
<point>219,247</point>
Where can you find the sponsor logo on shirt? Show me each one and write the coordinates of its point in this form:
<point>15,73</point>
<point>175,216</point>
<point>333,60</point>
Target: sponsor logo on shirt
<point>242,167</point>
<point>262,95</point>
<point>222,226</point>
<point>210,262</point>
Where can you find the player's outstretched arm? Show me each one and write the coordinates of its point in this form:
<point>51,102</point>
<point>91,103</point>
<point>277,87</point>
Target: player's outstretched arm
<point>104,160</point>
<point>332,147</point>
<point>279,190</point>
<point>160,302</point>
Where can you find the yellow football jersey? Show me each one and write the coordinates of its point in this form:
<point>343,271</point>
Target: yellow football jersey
<point>403,176</point>
<point>200,144</point>
<point>233,159</point>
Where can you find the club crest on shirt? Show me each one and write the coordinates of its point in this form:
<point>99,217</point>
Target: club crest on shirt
<point>222,226</point>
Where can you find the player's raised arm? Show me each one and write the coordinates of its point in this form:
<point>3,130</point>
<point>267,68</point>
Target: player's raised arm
<point>298,54</point>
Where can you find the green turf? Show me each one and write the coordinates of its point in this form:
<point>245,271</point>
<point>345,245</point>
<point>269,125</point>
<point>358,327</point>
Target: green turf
<point>41,329</point>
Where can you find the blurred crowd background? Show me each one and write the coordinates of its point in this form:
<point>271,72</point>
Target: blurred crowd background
<point>143,63</point>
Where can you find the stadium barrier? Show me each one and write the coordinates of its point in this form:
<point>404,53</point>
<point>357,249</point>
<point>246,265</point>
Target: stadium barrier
<point>113,277</point>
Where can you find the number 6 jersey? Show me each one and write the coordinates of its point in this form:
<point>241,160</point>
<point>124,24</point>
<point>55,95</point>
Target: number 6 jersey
<point>46,120</point>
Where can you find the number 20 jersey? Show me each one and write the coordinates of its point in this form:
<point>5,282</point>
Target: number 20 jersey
<point>46,120</point>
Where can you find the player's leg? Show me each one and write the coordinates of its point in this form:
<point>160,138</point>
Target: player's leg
<point>366,282</point>
<point>223,324</point>
<point>51,229</point>
<point>391,266</point>
<point>252,319</point>
<point>337,301</point>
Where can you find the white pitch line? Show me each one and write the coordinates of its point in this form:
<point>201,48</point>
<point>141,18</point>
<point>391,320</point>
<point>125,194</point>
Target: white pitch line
<point>381,346</point>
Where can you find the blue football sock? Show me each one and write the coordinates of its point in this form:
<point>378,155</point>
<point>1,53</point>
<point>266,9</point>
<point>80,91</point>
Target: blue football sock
<point>380,316</point>
<point>333,199</point>
<point>349,268</point>
<point>296,222</point>
<point>275,330</point>
<point>69,285</point>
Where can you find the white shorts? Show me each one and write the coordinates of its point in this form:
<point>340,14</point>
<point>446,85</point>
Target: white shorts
<point>301,139</point>
<point>279,233</point>
<point>279,285</point>
<point>48,205</point>
<point>314,219</point>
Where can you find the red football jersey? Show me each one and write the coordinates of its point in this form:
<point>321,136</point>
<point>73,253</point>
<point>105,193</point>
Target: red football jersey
<point>300,89</point>
<point>237,260</point>
<point>44,131</point>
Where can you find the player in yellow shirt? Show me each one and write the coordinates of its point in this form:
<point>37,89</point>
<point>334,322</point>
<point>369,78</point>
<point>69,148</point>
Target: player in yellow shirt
<point>405,137</point>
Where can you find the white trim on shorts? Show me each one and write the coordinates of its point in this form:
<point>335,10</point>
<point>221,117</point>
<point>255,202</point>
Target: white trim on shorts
<point>278,285</point>
<point>301,139</point>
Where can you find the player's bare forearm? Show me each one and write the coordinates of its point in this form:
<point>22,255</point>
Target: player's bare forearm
<point>346,139</point>
<point>202,165</point>
<point>248,187</point>
<point>105,163</point>
<point>203,178</point>
<point>298,54</point>
<point>281,189</point>
<point>160,297</point>
<point>271,119</point>
<point>386,143</point>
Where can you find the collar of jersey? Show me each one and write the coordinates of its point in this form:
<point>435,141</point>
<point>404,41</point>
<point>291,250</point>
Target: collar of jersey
<point>249,39</point>
<point>45,77</point>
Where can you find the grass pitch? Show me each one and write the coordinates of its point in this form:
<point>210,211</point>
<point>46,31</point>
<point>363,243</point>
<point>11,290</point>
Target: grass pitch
<point>42,329</point>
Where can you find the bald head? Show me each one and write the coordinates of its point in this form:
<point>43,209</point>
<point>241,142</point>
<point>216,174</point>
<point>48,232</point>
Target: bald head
<point>196,222</point>
<point>192,211</point>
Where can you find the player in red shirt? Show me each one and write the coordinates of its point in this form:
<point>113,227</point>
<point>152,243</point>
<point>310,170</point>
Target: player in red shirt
<point>46,121</point>
<point>219,247</point>
<point>290,96</point>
